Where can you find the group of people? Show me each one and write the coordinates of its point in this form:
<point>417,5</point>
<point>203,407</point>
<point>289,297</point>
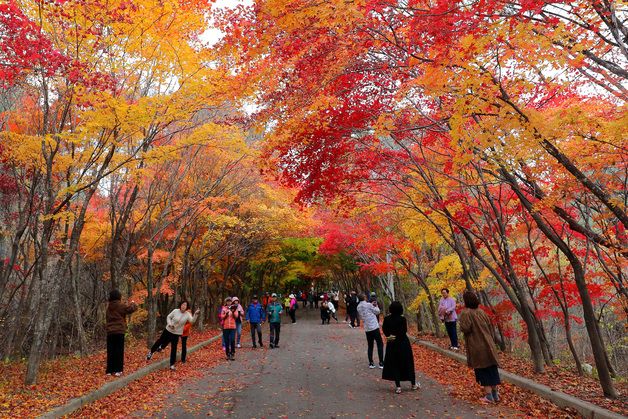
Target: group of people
<point>397,361</point>
<point>232,314</point>
<point>178,324</point>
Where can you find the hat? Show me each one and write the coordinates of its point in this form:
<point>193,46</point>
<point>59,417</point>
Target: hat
<point>373,294</point>
<point>274,295</point>
<point>235,299</point>
<point>254,296</point>
<point>291,296</point>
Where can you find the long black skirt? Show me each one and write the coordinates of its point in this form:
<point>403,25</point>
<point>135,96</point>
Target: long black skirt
<point>399,361</point>
<point>488,376</point>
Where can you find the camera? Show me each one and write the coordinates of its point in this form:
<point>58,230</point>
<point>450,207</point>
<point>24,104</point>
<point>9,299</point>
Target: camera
<point>233,307</point>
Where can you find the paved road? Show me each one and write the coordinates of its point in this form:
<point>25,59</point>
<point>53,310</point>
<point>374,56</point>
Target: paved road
<point>318,372</point>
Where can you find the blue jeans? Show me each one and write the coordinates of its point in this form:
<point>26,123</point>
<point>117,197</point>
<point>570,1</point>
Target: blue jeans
<point>451,331</point>
<point>238,332</point>
<point>229,336</point>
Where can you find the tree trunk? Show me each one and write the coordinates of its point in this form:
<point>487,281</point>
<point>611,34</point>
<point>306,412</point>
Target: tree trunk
<point>572,347</point>
<point>49,296</point>
<point>152,303</point>
<point>77,307</point>
<point>434,314</point>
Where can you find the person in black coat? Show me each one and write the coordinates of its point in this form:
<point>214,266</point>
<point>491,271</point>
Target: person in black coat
<point>399,360</point>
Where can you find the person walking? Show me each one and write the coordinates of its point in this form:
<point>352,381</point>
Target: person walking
<point>265,300</point>
<point>304,295</point>
<point>175,322</point>
<point>274,312</point>
<point>447,314</point>
<point>255,315</point>
<point>229,315</point>
<point>292,310</point>
<point>480,344</point>
<point>352,309</point>
<point>325,312</point>
<point>236,300</point>
<point>368,312</point>
<point>332,311</point>
<point>310,299</point>
<point>399,361</point>
<point>116,328</point>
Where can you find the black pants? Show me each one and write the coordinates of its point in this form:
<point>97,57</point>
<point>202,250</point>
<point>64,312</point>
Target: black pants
<point>451,331</point>
<point>325,316</point>
<point>275,329</point>
<point>184,347</point>
<point>293,315</point>
<point>371,337</point>
<point>256,327</point>
<point>115,353</point>
<point>163,341</point>
<point>355,321</point>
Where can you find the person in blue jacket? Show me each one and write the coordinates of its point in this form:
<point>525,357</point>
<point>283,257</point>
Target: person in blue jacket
<point>256,315</point>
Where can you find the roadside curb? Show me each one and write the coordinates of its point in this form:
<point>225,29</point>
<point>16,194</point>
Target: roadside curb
<point>586,409</point>
<point>78,402</point>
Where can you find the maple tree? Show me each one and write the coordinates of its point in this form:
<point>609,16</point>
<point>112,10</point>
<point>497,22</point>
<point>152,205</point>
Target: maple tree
<point>429,144</point>
<point>488,119</point>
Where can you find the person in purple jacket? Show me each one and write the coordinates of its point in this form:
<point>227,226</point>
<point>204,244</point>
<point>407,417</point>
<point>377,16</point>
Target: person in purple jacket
<point>447,314</point>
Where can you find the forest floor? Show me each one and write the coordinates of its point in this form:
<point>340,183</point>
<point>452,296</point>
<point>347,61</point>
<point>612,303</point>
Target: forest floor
<point>556,377</point>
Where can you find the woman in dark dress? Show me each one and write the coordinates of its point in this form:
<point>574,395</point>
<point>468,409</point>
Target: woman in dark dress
<point>399,359</point>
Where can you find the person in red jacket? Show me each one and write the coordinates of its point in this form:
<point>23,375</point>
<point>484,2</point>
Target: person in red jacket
<point>116,328</point>
<point>184,337</point>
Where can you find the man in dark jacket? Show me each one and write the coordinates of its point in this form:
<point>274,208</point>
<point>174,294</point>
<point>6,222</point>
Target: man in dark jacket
<point>352,309</point>
<point>255,315</point>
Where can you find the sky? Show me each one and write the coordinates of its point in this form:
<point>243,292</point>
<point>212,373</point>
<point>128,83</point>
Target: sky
<point>213,35</point>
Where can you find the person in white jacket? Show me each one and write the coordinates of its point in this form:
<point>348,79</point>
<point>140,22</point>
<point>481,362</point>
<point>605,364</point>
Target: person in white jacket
<point>175,322</point>
<point>332,311</point>
<point>368,312</point>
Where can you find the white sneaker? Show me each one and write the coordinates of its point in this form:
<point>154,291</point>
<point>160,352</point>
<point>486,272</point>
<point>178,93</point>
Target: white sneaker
<point>416,386</point>
<point>455,348</point>
<point>372,366</point>
<point>381,366</point>
<point>238,346</point>
<point>172,367</point>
